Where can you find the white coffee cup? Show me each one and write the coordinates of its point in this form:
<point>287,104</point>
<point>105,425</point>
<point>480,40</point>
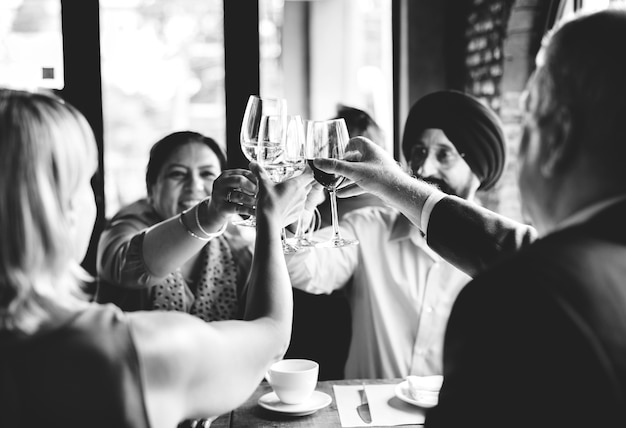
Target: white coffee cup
<point>293,380</point>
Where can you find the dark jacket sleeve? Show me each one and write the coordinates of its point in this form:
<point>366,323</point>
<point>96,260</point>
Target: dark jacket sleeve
<point>471,237</point>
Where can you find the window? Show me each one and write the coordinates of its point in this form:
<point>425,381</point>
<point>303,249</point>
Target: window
<point>31,44</point>
<point>318,54</point>
<point>162,71</point>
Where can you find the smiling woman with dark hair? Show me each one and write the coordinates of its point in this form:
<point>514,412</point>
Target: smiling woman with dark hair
<point>163,149</point>
<point>173,250</point>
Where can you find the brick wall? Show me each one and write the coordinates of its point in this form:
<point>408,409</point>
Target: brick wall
<point>502,38</point>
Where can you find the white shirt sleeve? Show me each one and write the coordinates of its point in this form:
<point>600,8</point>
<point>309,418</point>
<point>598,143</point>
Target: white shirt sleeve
<point>322,270</point>
<point>430,203</point>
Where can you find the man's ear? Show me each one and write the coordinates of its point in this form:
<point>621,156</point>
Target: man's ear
<point>558,144</point>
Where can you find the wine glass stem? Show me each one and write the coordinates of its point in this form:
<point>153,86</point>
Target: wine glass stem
<point>333,212</point>
<point>299,226</point>
<point>283,235</point>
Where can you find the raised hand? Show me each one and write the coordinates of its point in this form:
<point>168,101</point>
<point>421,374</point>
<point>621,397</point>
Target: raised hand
<point>233,193</point>
<point>371,169</point>
<point>366,166</point>
<point>283,200</point>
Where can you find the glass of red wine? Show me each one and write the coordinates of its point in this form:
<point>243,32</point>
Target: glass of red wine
<point>328,139</point>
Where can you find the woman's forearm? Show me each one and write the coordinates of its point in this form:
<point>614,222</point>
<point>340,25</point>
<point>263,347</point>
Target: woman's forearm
<point>269,288</point>
<point>170,244</point>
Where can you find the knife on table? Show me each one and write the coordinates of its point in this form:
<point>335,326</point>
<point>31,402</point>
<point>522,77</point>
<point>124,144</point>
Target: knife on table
<point>363,409</point>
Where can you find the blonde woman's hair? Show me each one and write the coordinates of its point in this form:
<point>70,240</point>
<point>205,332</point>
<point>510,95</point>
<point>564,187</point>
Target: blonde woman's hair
<point>47,149</point>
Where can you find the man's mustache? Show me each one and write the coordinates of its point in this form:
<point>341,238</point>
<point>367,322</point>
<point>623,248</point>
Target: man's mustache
<point>439,183</point>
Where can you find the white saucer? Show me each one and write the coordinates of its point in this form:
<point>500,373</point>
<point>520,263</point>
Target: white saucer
<point>426,399</point>
<point>318,400</point>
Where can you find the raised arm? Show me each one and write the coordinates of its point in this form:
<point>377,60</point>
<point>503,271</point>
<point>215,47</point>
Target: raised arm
<point>169,244</point>
<point>466,235</point>
<point>137,248</point>
<point>369,168</point>
<point>472,237</point>
<point>194,369</point>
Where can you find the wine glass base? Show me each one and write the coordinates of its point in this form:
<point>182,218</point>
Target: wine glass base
<point>291,249</point>
<point>249,222</point>
<point>303,242</point>
<point>338,243</point>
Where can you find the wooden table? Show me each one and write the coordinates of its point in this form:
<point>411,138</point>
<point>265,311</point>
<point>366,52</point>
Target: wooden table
<point>250,414</point>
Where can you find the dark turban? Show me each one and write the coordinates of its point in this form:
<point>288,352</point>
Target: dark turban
<point>472,127</point>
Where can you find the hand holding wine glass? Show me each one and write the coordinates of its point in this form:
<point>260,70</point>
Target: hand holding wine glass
<point>328,139</point>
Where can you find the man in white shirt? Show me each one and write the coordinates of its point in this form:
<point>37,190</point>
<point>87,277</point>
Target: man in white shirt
<point>538,337</point>
<point>401,291</point>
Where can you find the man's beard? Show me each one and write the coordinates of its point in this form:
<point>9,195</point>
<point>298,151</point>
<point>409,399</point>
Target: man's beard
<point>440,184</point>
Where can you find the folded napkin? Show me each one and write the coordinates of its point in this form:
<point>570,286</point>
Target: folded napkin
<point>386,409</point>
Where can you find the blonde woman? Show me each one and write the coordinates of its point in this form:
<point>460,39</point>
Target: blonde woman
<point>66,362</point>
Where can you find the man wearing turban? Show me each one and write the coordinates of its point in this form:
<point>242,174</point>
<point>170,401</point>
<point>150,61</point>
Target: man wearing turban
<point>401,292</point>
<point>449,125</point>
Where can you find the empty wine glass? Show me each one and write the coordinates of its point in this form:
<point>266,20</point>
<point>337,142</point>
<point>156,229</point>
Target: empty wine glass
<point>290,164</point>
<point>303,237</point>
<point>328,139</point>
<point>300,239</point>
<point>260,110</point>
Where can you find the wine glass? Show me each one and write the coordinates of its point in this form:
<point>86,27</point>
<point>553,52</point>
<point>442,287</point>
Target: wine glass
<point>328,139</point>
<point>260,110</point>
<point>300,239</point>
<point>303,237</point>
<point>290,164</point>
